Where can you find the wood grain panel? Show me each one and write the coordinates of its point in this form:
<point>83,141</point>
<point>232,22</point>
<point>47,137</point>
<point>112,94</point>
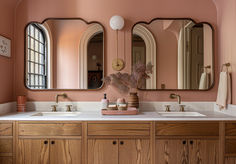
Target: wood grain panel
<point>230,129</point>
<point>102,151</point>
<point>118,129</point>
<point>187,129</point>
<point>65,151</point>
<point>6,146</point>
<point>6,160</point>
<point>136,151</point>
<point>59,129</point>
<point>32,151</point>
<point>230,146</point>
<point>171,151</point>
<point>6,129</point>
<point>203,151</point>
<point>230,160</point>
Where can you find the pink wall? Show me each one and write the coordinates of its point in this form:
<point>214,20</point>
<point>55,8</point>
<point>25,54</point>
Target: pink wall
<point>66,36</point>
<point>226,15</point>
<point>167,48</point>
<point>6,64</point>
<point>102,10</point>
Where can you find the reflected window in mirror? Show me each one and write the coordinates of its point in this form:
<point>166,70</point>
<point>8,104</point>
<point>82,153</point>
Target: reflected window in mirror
<point>74,55</point>
<point>180,50</point>
<point>37,58</point>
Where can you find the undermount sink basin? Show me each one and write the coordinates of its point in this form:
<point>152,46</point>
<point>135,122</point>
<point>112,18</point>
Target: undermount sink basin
<point>57,114</point>
<point>181,114</point>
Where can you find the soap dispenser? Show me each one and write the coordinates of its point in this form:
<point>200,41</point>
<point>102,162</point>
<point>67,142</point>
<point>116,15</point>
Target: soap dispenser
<point>104,102</point>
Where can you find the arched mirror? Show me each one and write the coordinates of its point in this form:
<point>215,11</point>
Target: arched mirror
<point>180,50</point>
<point>64,54</point>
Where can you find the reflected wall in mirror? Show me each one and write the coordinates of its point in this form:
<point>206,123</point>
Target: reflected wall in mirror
<point>180,50</point>
<point>64,54</point>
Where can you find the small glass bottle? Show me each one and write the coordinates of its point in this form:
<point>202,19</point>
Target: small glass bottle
<point>104,102</point>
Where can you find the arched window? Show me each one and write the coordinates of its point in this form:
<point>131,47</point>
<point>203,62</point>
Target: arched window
<point>37,59</point>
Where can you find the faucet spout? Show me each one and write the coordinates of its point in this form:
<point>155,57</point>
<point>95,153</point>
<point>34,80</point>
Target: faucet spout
<point>64,95</point>
<point>173,95</point>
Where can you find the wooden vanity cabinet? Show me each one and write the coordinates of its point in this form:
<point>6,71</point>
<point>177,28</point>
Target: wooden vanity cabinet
<point>49,143</point>
<point>119,143</point>
<point>6,142</point>
<point>187,143</point>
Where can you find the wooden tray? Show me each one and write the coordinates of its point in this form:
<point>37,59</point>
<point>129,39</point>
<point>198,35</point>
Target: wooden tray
<point>129,111</point>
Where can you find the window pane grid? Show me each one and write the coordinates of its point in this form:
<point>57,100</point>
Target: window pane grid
<point>37,77</point>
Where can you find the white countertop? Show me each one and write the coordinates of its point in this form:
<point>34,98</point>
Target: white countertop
<point>97,116</point>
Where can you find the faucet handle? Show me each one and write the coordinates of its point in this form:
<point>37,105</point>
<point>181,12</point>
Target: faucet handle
<point>54,108</point>
<point>167,108</point>
<point>181,108</point>
<point>68,108</point>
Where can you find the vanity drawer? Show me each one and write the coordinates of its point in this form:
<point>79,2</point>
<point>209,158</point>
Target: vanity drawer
<point>6,146</point>
<point>187,129</point>
<point>230,129</point>
<point>6,129</point>
<point>230,146</point>
<point>122,129</point>
<point>55,129</point>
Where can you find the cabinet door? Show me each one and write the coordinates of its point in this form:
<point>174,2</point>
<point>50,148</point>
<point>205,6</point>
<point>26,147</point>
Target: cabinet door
<point>65,151</point>
<point>230,160</point>
<point>33,151</point>
<point>102,151</point>
<point>169,151</point>
<point>203,151</point>
<point>135,151</point>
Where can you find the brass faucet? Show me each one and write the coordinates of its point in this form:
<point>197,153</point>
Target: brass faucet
<point>181,107</point>
<point>173,96</point>
<point>64,95</point>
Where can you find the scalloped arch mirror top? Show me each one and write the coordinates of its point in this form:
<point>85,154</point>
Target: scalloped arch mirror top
<point>64,54</point>
<point>180,50</point>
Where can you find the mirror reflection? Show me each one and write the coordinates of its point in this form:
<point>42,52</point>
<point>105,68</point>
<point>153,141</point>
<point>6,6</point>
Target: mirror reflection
<point>64,54</point>
<point>180,50</point>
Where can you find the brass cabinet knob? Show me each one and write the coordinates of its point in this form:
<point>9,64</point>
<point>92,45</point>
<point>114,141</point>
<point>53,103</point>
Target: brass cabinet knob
<point>114,142</point>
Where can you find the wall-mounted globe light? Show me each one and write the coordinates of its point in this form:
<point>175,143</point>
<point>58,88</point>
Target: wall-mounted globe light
<point>117,22</point>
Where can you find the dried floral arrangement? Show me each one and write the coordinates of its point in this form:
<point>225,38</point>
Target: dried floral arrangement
<point>125,82</point>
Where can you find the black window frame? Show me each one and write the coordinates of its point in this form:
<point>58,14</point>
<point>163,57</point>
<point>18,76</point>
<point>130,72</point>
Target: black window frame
<point>39,61</point>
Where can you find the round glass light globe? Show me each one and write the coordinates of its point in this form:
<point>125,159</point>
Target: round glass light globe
<point>117,22</point>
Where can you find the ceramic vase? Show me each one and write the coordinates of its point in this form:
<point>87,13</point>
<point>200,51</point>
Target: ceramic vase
<point>133,100</point>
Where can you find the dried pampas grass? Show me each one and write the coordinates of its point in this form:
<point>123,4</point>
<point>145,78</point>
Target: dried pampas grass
<point>124,82</point>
